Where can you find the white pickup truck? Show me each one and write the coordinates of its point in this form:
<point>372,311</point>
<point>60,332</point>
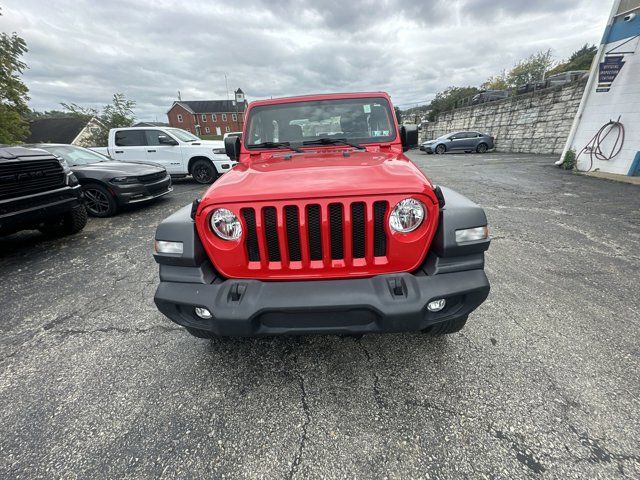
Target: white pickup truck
<point>180,152</point>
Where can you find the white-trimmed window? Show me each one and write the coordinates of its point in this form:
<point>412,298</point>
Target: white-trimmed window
<point>227,129</point>
<point>214,117</point>
<point>204,117</point>
<point>224,117</point>
<point>207,130</point>
<point>179,118</point>
<point>234,117</point>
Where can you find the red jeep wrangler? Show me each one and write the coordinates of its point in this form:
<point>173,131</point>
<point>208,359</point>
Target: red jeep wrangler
<point>324,226</point>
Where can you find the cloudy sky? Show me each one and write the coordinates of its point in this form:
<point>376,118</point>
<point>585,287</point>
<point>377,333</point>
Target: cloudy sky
<point>83,51</point>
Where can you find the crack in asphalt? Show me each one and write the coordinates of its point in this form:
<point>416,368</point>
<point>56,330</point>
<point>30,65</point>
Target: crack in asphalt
<point>377,395</point>
<point>303,437</point>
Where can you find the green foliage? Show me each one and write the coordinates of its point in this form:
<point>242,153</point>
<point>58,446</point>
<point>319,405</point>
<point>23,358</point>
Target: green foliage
<point>449,99</point>
<point>115,115</point>
<point>13,91</point>
<point>496,82</point>
<point>569,161</point>
<point>531,69</point>
<point>579,60</point>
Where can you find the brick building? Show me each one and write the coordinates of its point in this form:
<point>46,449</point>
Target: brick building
<point>209,117</point>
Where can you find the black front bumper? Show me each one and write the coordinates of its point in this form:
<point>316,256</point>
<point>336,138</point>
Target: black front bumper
<point>33,210</point>
<point>142,192</point>
<point>386,303</point>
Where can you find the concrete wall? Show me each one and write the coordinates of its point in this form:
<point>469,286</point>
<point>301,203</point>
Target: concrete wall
<point>537,122</point>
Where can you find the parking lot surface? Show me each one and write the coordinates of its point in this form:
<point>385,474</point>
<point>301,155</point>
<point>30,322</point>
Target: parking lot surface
<point>542,383</point>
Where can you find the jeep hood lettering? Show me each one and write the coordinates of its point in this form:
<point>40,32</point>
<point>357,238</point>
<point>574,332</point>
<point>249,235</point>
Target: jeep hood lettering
<point>290,176</point>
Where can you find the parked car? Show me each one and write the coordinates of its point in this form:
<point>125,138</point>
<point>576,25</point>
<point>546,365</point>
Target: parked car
<point>107,184</point>
<point>566,77</point>
<point>38,191</point>
<point>531,87</point>
<point>323,233</point>
<point>177,150</point>
<point>459,141</point>
<point>489,96</point>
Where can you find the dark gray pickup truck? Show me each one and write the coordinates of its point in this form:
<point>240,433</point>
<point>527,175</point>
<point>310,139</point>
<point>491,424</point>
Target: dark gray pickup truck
<point>38,191</point>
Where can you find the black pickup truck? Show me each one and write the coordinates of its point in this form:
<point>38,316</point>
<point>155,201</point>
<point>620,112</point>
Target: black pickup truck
<point>38,191</point>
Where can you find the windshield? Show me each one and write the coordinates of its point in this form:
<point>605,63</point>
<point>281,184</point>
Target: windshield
<point>356,120</point>
<point>75,155</point>
<point>183,135</point>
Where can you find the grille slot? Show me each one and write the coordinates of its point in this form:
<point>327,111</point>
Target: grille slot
<point>152,177</point>
<point>358,229</point>
<point>24,178</point>
<point>315,232</point>
<point>379,234</point>
<point>253,252</point>
<point>293,232</point>
<point>335,230</point>
<point>271,233</point>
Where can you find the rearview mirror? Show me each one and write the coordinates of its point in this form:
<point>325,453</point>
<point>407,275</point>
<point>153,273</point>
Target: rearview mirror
<point>164,140</point>
<point>232,147</point>
<point>408,136</point>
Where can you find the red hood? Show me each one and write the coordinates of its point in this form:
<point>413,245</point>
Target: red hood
<point>286,176</point>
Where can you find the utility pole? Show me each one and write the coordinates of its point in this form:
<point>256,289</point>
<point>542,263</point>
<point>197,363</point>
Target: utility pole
<point>226,83</point>
<point>179,97</point>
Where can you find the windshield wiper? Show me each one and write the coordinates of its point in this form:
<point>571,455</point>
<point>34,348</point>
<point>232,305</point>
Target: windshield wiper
<point>279,145</point>
<point>333,141</point>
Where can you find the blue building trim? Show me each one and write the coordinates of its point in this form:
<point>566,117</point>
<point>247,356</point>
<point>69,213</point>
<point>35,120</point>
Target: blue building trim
<point>634,171</point>
<point>621,30</point>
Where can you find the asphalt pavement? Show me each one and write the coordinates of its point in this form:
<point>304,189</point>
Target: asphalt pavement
<point>542,383</point>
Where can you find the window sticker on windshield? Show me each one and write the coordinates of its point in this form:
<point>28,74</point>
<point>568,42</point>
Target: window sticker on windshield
<point>367,108</point>
<point>380,133</point>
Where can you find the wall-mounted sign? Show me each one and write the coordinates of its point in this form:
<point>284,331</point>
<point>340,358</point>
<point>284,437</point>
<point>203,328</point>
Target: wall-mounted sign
<point>608,71</point>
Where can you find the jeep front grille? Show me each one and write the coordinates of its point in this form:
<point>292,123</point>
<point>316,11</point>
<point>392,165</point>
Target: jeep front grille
<point>285,235</point>
<point>19,178</point>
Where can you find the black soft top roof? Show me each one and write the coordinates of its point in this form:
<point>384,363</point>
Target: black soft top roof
<point>12,153</point>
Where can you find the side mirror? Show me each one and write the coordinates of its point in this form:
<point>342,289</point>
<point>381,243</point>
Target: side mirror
<point>232,147</point>
<point>408,136</point>
<point>164,140</point>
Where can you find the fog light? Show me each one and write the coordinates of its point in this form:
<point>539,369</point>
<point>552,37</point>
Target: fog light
<point>436,305</point>
<point>161,246</point>
<point>203,313</point>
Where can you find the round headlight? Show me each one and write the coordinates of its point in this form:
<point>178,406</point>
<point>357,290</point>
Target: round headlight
<point>407,215</point>
<point>225,224</point>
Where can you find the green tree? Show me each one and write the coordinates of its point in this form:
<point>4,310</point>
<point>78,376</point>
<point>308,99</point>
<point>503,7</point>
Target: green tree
<point>496,82</point>
<point>531,69</point>
<point>579,60</point>
<point>115,115</point>
<point>13,91</point>
<point>449,99</point>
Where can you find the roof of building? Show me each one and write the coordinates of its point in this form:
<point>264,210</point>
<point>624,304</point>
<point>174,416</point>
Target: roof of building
<point>150,124</point>
<point>55,130</point>
<point>210,106</point>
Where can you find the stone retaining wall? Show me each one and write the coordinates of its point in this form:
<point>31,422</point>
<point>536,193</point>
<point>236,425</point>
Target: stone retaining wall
<point>537,122</point>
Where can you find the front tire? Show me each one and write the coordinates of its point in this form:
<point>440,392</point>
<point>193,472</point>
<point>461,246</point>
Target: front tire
<point>482,148</point>
<point>446,328</point>
<point>440,149</point>
<point>99,201</point>
<point>204,172</point>
<point>70,223</point>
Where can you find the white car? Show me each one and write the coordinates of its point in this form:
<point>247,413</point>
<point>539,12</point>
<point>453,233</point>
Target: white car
<point>177,150</point>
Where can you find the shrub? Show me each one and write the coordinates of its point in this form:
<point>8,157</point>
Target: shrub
<point>569,161</point>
